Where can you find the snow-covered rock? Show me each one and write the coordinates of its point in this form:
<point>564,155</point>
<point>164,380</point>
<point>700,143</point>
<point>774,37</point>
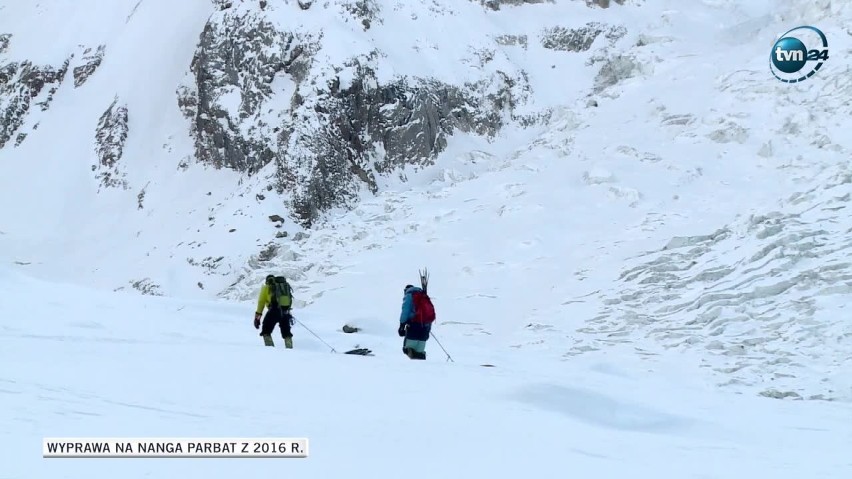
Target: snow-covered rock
<point>26,90</point>
<point>110,138</point>
<point>267,91</point>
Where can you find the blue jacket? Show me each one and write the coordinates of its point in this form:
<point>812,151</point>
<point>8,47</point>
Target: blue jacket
<point>408,305</point>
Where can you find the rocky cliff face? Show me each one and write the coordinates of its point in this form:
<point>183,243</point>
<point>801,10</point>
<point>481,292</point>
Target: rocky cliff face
<point>259,96</point>
<point>264,96</point>
<point>110,137</point>
<point>28,89</point>
<point>498,4</point>
<point>24,87</point>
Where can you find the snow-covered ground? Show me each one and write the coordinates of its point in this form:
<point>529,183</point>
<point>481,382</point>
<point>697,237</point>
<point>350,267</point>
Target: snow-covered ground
<point>81,362</point>
<point>648,274</point>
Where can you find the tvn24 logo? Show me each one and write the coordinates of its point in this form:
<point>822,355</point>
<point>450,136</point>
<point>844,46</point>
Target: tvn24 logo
<point>798,54</point>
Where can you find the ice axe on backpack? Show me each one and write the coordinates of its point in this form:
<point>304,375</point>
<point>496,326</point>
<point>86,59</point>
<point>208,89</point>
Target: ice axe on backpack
<point>424,283</point>
<point>424,279</point>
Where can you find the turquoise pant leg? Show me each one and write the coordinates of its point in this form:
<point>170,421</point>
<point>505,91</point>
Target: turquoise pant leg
<point>417,346</point>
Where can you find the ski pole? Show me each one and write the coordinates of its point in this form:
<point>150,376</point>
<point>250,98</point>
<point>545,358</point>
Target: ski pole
<point>315,335</point>
<point>442,346</point>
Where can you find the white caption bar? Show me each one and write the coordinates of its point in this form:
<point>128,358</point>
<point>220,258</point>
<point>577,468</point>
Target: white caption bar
<point>174,447</point>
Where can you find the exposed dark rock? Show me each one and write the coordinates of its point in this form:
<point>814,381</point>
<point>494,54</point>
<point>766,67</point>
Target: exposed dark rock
<point>92,62</point>
<point>257,98</point>
<point>497,4</point>
<point>146,287</point>
<point>775,394</point>
<point>140,197</point>
<point>5,38</point>
<point>268,253</point>
<point>513,40</point>
<point>615,70</point>
<point>410,119</point>
<point>110,137</point>
<point>364,11</point>
<point>209,264</point>
<point>579,39</point>
<point>603,3</point>
<point>22,86</point>
<point>54,78</point>
<point>238,59</point>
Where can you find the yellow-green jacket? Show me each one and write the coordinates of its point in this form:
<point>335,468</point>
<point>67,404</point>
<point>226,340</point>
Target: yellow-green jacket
<point>265,298</point>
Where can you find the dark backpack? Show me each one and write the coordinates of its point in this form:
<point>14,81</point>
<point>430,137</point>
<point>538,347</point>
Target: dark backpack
<point>424,310</point>
<point>280,292</point>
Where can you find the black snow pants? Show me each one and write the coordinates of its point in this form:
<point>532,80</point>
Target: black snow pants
<point>274,316</point>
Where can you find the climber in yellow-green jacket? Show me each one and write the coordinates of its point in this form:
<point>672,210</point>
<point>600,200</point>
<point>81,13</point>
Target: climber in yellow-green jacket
<point>277,295</point>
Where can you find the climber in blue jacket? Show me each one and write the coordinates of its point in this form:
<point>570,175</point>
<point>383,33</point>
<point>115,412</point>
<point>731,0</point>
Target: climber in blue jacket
<point>415,321</point>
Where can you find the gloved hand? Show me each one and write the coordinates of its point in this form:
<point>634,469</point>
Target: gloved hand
<point>292,320</point>
<point>256,320</point>
<point>401,330</point>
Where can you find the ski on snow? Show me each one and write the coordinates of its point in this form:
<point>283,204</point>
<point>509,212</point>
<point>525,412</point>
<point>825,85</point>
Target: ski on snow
<point>360,352</point>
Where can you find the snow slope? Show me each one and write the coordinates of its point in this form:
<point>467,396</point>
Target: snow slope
<point>49,178</point>
<point>91,363</point>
